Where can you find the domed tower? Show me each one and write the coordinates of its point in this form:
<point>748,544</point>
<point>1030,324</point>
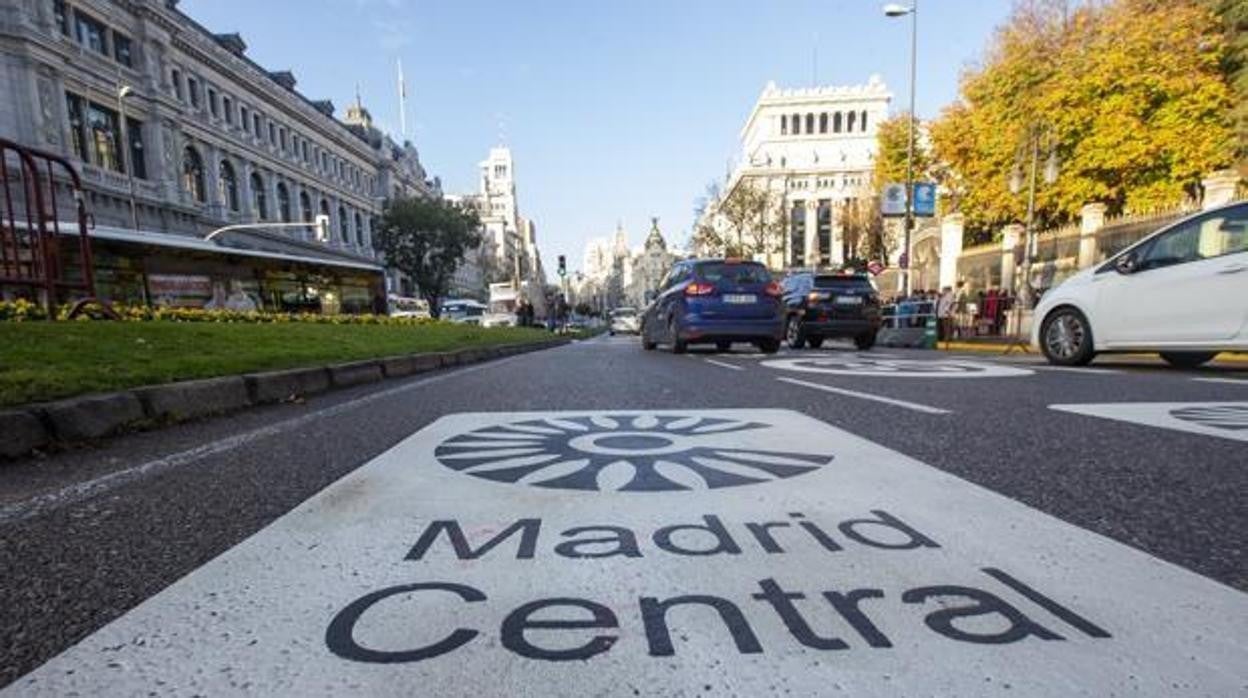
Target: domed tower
<point>655,241</point>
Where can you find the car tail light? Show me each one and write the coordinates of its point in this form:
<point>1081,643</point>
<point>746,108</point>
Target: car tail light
<point>699,289</point>
<point>815,296</point>
<point>773,289</point>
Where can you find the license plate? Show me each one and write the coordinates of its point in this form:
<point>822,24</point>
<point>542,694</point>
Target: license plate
<point>740,298</point>
<point>849,300</point>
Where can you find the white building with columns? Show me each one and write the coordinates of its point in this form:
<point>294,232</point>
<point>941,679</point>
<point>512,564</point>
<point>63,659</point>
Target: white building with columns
<point>815,148</point>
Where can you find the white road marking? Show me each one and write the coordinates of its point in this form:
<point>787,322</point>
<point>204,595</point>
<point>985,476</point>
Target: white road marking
<point>724,365</point>
<point>904,578</point>
<point>1229,381</point>
<point>867,396</point>
<point>876,367</point>
<point>1074,369</point>
<point>1228,420</point>
<point>80,491</point>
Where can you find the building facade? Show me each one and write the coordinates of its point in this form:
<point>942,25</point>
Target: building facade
<point>175,131</point>
<point>814,150</point>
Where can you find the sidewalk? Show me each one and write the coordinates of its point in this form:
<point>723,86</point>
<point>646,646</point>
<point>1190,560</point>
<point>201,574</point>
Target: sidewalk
<point>998,345</point>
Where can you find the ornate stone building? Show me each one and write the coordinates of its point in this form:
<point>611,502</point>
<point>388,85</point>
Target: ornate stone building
<point>814,148</point>
<point>158,113</point>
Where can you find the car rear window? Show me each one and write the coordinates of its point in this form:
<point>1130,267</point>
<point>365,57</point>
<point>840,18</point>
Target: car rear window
<point>844,283</point>
<point>741,273</point>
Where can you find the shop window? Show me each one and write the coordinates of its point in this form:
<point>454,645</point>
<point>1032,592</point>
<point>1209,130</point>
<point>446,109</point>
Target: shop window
<point>193,174</point>
<point>229,185</point>
<point>76,107</point>
<point>283,202</point>
<point>138,156</point>
<point>123,50</point>
<point>259,202</point>
<point>60,16</point>
<point>105,137</point>
<point>91,33</point>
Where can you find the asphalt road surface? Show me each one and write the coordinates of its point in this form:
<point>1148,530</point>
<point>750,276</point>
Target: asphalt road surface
<point>599,520</point>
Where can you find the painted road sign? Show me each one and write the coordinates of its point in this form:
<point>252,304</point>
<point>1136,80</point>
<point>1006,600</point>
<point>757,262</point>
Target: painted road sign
<point>793,558</point>
<point>851,365</point>
<point>1228,420</point>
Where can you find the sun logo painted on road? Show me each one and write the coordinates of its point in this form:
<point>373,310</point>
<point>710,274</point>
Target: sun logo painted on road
<point>1219,416</point>
<point>618,452</point>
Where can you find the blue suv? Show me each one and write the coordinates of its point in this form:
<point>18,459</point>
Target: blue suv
<point>715,301</point>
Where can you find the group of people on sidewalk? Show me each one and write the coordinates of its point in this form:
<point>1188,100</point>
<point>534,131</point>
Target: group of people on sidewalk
<point>959,311</point>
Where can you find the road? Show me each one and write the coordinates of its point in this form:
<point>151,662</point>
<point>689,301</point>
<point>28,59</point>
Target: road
<point>599,520</point>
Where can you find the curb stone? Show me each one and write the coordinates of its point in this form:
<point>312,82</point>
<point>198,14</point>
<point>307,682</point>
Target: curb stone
<point>20,432</point>
<point>192,399</point>
<point>92,416</point>
<point>30,427</point>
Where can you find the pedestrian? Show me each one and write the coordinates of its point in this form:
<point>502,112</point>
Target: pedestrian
<point>944,314</point>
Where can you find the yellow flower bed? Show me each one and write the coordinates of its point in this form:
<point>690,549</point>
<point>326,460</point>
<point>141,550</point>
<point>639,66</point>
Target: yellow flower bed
<point>23,311</point>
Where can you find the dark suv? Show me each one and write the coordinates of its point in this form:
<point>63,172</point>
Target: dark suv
<point>822,305</point>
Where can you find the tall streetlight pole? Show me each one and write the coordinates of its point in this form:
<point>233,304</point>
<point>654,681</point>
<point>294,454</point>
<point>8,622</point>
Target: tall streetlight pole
<point>894,10</point>
<point>123,143</point>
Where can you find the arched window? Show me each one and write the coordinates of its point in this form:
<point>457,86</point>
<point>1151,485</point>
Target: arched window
<point>305,207</point>
<point>836,122</point>
<point>863,123</point>
<point>784,124</point>
<point>229,185</point>
<point>810,123</point>
<point>849,126</point>
<point>344,225</point>
<point>283,202</point>
<point>359,230</point>
<point>259,202</point>
<point>796,121</point>
<point>823,122</point>
<point>193,174</point>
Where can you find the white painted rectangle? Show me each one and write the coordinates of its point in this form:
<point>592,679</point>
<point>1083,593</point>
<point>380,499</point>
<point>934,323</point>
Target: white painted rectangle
<point>261,618</point>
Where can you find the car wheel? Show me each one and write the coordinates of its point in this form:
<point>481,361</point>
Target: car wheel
<point>769,346</point>
<point>723,346</point>
<point>793,333</point>
<point>678,345</point>
<point>646,343</point>
<point>865,341</point>
<point>815,342</point>
<point>1066,338</point>
<point>1187,359</point>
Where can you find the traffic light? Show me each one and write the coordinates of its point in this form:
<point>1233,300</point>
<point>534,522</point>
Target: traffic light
<point>563,265</point>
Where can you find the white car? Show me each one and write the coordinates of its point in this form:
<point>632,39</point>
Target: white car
<point>624,320</point>
<point>1182,292</point>
<point>499,320</point>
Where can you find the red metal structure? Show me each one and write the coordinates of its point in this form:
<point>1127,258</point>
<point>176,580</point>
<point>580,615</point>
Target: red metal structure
<point>33,242</point>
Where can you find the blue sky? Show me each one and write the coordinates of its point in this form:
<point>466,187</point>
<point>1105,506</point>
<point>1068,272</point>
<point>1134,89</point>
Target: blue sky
<point>615,111</point>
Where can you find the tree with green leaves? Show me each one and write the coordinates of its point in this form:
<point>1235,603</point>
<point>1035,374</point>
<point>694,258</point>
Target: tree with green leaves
<point>1129,94</point>
<point>427,240</point>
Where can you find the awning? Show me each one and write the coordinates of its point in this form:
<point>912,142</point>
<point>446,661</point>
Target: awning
<point>243,243</point>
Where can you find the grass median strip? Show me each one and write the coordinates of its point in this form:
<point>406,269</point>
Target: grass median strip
<point>49,360</point>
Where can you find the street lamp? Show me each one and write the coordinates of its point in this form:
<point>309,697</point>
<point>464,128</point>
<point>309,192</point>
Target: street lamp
<point>895,10</point>
<point>123,143</point>
<point>1035,134</point>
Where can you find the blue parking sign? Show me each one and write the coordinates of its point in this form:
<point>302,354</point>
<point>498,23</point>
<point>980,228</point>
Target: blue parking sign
<point>924,199</point>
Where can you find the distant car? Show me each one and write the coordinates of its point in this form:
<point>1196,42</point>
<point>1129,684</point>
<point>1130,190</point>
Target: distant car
<point>499,320</point>
<point>821,306</point>
<point>402,306</point>
<point>624,321</point>
<point>463,311</point>
<point>1182,292</point>
<point>715,301</point>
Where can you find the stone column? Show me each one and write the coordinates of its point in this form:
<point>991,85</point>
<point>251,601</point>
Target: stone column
<point>811,233</point>
<point>836,255</point>
<point>1219,188</point>
<point>950,248</point>
<point>1010,235</point>
<point>1091,220</point>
